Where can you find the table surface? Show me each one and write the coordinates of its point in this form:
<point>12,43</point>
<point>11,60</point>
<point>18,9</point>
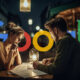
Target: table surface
<point>6,74</point>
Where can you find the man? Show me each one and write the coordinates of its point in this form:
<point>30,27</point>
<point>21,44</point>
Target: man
<point>66,63</point>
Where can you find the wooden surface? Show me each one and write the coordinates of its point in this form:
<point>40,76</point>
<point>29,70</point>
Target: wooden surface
<point>6,74</point>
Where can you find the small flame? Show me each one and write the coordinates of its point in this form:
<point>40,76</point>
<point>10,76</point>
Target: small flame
<point>34,57</point>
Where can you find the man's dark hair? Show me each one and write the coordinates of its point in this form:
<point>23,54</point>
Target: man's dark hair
<point>58,23</point>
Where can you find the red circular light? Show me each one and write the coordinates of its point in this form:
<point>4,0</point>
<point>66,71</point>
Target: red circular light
<point>28,42</point>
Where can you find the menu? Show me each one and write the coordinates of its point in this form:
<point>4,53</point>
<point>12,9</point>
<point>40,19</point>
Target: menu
<point>26,70</point>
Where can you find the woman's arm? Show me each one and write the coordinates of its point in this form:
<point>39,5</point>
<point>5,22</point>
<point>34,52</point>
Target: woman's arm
<point>14,57</point>
<point>18,58</point>
<point>5,60</point>
<point>2,57</point>
<point>9,60</point>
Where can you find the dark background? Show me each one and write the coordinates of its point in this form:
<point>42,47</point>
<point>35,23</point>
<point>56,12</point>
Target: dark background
<point>9,11</point>
<point>38,9</point>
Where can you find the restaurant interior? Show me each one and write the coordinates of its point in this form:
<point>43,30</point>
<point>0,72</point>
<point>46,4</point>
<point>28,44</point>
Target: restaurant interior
<point>32,20</point>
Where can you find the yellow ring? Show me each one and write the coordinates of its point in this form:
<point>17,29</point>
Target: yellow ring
<point>36,45</point>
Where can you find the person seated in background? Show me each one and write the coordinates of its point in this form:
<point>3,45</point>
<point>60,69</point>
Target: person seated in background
<point>66,63</point>
<point>9,54</point>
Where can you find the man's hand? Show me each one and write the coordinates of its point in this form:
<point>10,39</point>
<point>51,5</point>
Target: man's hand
<point>35,64</point>
<point>47,61</point>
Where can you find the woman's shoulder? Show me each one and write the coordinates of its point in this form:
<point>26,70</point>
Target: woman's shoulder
<point>1,43</point>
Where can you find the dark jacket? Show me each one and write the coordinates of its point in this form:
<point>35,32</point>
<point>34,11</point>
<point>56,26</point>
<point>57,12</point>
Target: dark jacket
<point>66,65</point>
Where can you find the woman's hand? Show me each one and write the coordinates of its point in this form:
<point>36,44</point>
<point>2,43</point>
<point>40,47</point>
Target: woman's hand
<point>11,58</point>
<point>14,53</point>
<point>13,50</point>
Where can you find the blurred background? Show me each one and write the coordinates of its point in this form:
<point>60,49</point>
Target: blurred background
<point>32,16</point>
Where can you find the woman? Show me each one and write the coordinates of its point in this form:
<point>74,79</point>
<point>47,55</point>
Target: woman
<point>9,54</point>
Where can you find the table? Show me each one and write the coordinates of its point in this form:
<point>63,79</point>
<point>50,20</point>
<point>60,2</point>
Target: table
<point>5,75</point>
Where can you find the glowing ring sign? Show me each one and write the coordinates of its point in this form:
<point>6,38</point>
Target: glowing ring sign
<point>36,45</point>
<point>28,42</point>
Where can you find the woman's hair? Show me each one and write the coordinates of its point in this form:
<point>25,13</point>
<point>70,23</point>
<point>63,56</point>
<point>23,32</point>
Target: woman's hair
<point>58,23</point>
<point>11,25</point>
<point>13,28</point>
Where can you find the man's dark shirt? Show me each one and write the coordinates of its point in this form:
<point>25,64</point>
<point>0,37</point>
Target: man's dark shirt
<point>66,64</point>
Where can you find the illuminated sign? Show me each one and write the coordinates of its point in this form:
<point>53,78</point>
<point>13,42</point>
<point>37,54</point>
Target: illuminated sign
<point>35,39</point>
<point>79,30</point>
<point>1,23</point>
<point>73,33</point>
<point>36,45</point>
<point>3,36</point>
<point>28,42</point>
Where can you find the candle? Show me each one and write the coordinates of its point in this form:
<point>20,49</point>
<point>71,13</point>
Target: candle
<point>34,57</point>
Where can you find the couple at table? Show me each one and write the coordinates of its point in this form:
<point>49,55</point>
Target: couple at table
<point>65,65</point>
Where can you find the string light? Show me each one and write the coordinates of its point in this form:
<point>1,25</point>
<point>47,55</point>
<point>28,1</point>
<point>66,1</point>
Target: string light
<point>41,29</point>
<point>32,34</point>
<point>30,21</point>
<point>37,27</point>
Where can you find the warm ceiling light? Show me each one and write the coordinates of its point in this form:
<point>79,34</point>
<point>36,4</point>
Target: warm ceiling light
<point>37,27</point>
<point>30,21</point>
<point>25,5</point>
<point>41,29</point>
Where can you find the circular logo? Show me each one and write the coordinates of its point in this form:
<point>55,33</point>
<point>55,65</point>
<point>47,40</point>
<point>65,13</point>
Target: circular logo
<point>36,45</point>
<point>28,42</point>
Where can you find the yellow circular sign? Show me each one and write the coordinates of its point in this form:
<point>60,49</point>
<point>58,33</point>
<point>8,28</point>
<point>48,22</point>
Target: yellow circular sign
<point>36,45</point>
